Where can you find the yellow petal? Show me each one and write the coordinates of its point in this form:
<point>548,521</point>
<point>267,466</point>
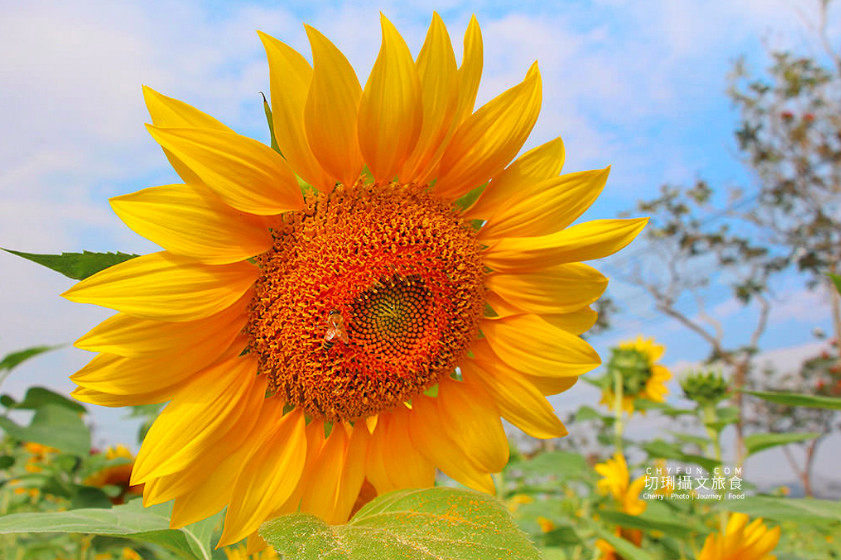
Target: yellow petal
<point>431,437</point>
<point>438,73</point>
<point>490,138</point>
<point>209,496</point>
<point>268,478</point>
<point>125,376</point>
<point>470,71</point>
<point>519,181</point>
<point>170,112</point>
<point>245,173</point>
<point>353,474</point>
<point>473,420</point>
<point>575,322</point>
<point>533,346</point>
<point>390,111</point>
<point>376,467</point>
<point>548,382</point>
<point>131,337</point>
<point>290,75</point>
<point>224,398</point>
<point>554,205</point>
<point>186,222</point>
<point>100,398</point>
<point>407,467</point>
<point>555,289</point>
<point>582,242</point>
<point>331,110</point>
<point>321,494</point>
<point>518,400</point>
<point>468,77</point>
<point>165,286</point>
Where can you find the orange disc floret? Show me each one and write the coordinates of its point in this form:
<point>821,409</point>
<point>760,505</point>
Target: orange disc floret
<point>368,296</point>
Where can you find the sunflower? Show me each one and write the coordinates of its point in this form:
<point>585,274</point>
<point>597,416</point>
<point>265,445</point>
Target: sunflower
<point>616,481</point>
<point>117,474</point>
<point>319,349</point>
<point>741,541</point>
<point>642,377</point>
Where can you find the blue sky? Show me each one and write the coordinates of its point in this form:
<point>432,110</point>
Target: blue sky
<point>637,85</point>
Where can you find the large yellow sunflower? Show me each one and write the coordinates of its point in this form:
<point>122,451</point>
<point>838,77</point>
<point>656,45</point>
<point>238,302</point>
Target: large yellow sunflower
<point>317,350</point>
<point>642,376</point>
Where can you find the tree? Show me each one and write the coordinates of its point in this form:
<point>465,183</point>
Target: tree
<point>787,220</point>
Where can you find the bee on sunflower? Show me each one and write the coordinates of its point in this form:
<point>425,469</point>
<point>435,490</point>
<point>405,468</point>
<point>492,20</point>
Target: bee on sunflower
<point>319,346</point>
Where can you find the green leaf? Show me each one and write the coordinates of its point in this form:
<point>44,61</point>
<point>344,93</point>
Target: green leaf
<point>627,550</point>
<point>406,525</point>
<point>11,361</point>
<point>659,449</point>
<point>36,397</point>
<point>797,399</point>
<point>53,425</point>
<point>131,521</point>
<point>89,497</point>
<point>585,413</point>
<point>801,510</point>
<point>77,266</point>
<point>661,407</point>
<point>6,461</point>
<point>700,441</point>
<point>562,464</point>
<point>268,111</point>
<point>671,527</point>
<point>755,443</point>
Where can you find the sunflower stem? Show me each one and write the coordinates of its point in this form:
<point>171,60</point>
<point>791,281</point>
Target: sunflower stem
<point>618,426</point>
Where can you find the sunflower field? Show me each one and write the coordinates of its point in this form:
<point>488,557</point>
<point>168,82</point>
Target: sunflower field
<point>346,346</point>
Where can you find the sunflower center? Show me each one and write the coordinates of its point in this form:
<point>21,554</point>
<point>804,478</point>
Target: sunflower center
<point>368,297</point>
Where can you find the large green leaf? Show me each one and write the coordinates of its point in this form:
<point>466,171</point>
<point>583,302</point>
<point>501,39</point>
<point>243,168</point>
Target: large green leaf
<point>797,399</point>
<point>755,443</point>
<point>11,361</point>
<point>77,266</point>
<point>131,521</point>
<point>436,523</point>
<point>36,397</point>
<point>802,510</point>
<point>53,425</point>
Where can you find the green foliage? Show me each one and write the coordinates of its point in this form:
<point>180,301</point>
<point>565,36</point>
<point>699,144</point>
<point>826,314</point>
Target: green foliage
<point>77,266</point>
<point>755,443</point>
<point>407,524</point>
<point>53,425</point>
<point>36,397</point>
<point>797,399</point>
<point>133,521</point>
<point>11,361</point>
<point>804,510</point>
